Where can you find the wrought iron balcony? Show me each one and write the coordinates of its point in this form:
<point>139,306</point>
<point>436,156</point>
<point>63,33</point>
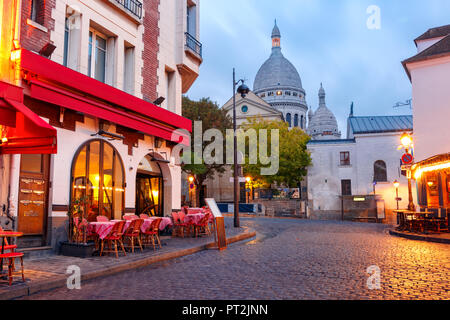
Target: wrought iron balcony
<point>132,6</point>
<point>193,44</point>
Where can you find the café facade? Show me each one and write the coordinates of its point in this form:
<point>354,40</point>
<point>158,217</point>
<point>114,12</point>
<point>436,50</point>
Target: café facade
<point>429,73</point>
<point>99,143</point>
<point>81,114</point>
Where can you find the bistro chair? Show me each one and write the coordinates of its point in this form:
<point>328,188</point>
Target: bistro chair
<point>11,256</point>
<point>202,227</point>
<point>134,232</point>
<point>7,246</point>
<point>114,236</point>
<point>152,233</point>
<point>102,219</point>
<point>179,226</point>
<point>144,216</point>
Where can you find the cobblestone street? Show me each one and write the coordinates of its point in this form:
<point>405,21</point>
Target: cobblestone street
<point>290,259</point>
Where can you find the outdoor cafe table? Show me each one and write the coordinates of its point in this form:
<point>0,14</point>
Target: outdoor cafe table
<point>103,228</point>
<point>164,223</point>
<point>4,235</point>
<point>196,217</point>
<point>194,210</point>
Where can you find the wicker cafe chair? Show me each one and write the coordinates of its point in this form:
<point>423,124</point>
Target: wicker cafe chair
<point>7,246</point>
<point>202,227</point>
<point>134,232</point>
<point>11,256</point>
<point>152,233</point>
<point>114,236</point>
<point>179,226</point>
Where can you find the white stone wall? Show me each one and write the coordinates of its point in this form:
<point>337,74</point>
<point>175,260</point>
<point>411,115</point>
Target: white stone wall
<point>431,107</point>
<point>109,20</point>
<point>172,26</point>
<point>325,173</point>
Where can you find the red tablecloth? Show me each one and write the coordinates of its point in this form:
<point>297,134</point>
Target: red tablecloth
<point>164,223</point>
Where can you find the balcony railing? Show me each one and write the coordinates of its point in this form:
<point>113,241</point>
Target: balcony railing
<point>193,44</point>
<point>133,6</point>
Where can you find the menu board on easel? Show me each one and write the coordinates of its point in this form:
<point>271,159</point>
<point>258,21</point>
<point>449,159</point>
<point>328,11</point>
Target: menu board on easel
<point>221,238</point>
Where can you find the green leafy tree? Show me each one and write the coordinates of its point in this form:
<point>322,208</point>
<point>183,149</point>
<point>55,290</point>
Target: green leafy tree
<point>293,155</point>
<point>212,117</point>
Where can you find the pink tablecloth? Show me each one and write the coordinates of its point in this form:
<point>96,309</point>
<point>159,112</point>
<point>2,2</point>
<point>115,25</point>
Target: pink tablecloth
<point>194,210</point>
<point>104,228</point>
<point>196,217</point>
<point>164,223</point>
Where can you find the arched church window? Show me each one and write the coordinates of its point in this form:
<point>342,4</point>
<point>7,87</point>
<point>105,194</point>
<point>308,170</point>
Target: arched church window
<point>295,94</point>
<point>288,119</point>
<point>296,120</point>
<point>98,176</point>
<point>380,171</point>
<point>301,121</point>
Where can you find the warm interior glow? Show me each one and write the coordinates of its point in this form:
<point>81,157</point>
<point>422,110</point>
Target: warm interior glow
<point>441,166</point>
<point>430,183</point>
<point>15,55</point>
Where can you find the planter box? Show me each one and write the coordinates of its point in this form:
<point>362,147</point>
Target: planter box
<point>79,250</point>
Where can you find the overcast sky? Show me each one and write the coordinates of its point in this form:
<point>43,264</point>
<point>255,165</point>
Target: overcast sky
<point>327,41</point>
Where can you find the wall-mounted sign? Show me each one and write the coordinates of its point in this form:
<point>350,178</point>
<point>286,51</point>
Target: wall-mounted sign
<point>407,158</point>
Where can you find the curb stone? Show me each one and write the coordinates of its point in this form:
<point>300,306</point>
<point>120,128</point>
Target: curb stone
<point>60,281</point>
<point>419,237</point>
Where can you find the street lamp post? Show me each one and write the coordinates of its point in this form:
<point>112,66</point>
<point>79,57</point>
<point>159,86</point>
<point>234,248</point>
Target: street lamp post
<point>396,185</point>
<point>243,90</point>
<point>407,143</point>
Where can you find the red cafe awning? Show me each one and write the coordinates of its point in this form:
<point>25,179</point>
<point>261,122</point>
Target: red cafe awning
<point>26,132</point>
<point>56,84</point>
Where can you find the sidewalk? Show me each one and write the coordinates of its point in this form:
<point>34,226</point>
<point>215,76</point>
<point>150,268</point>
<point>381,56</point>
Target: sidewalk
<point>50,272</point>
<point>436,237</point>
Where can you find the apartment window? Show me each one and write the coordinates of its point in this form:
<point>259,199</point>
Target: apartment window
<point>97,56</point>
<point>380,171</point>
<point>66,41</point>
<point>37,11</point>
<point>345,158</point>
<point>128,70</point>
<point>346,187</point>
<point>192,19</point>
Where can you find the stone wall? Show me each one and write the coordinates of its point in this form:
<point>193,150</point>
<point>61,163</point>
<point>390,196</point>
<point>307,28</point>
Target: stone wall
<point>286,207</point>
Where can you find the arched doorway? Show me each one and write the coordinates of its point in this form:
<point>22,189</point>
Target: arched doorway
<point>98,177</point>
<point>149,188</point>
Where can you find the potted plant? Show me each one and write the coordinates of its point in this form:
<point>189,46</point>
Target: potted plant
<point>77,244</point>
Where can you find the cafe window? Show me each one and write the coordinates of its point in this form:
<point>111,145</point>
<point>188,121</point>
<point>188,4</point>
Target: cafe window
<point>98,177</point>
<point>345,158</point>
<point>380,171</point>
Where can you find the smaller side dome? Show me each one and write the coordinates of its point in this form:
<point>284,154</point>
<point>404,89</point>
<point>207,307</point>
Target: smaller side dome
<point>322,123</point>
